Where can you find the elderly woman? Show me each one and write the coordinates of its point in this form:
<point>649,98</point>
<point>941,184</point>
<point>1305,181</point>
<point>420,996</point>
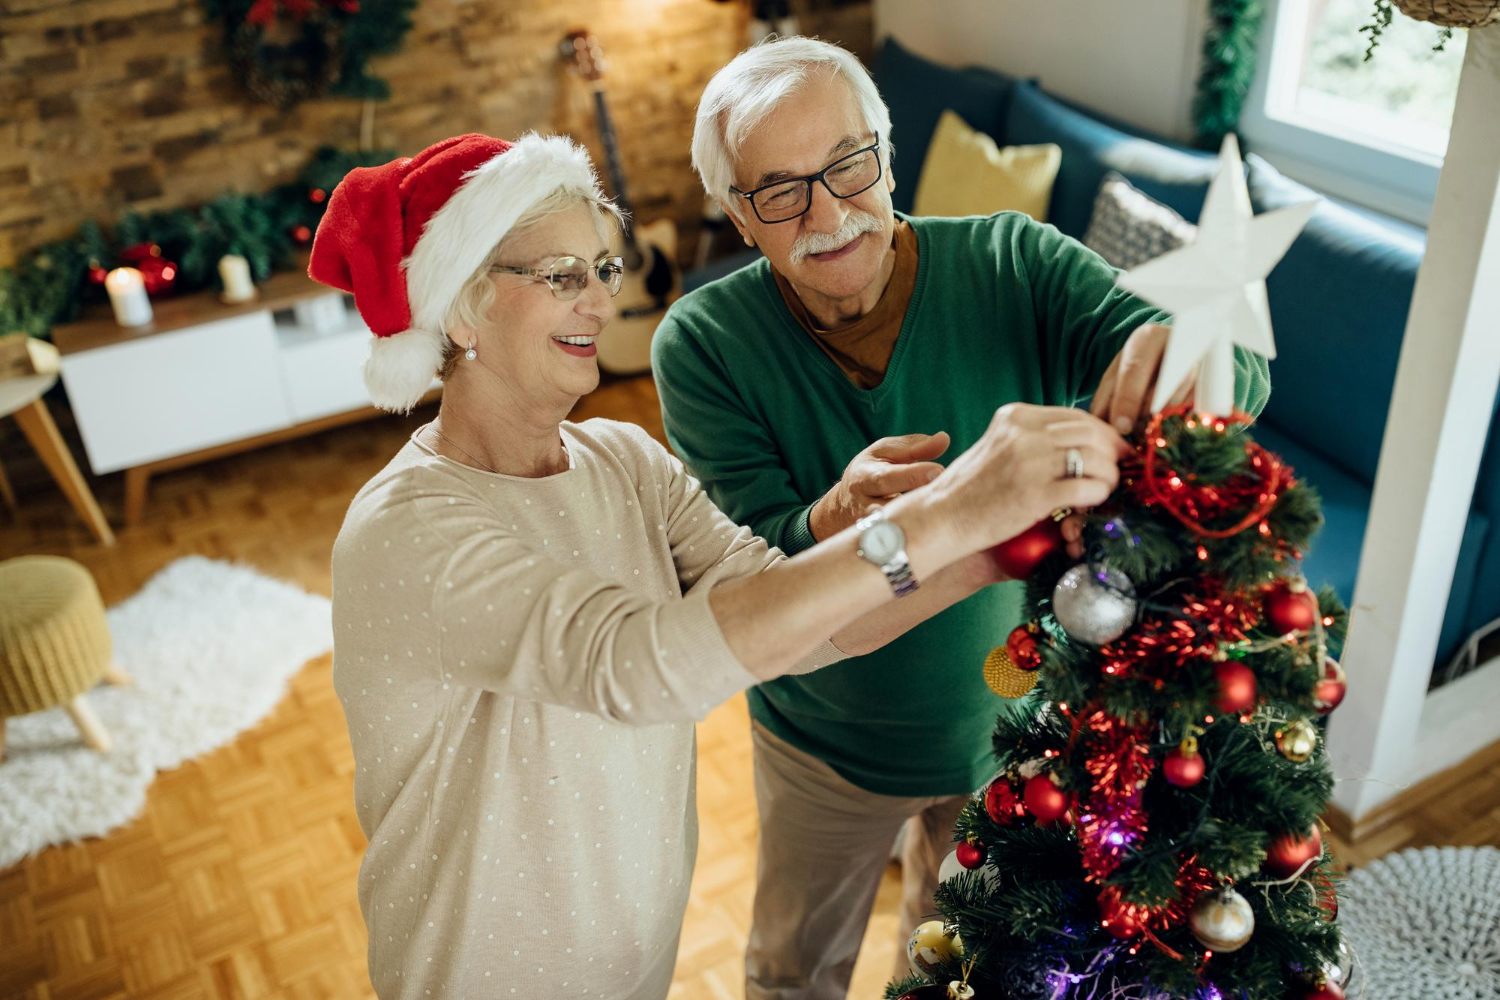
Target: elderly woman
<point>531,613</point>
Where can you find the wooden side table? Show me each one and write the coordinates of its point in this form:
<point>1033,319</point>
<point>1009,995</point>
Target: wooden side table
<point>23,398</point>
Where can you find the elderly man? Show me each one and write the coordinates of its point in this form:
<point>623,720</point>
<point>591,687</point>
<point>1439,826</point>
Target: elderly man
<point>862,325</point>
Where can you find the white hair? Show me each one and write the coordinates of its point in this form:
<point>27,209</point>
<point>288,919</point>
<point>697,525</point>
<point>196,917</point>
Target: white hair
<point>742,94</point>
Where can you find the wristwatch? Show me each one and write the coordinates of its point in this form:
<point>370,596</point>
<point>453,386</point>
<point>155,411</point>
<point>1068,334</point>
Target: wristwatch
<point>882,542</point>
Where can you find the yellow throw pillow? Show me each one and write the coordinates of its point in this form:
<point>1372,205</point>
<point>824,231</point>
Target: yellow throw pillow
<point>965,173</point>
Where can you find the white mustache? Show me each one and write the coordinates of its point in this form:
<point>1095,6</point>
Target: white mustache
<point>856,223</point>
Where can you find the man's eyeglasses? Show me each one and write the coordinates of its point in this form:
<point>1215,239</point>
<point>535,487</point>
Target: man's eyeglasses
<point>567,276</point>
<point>785,200</point>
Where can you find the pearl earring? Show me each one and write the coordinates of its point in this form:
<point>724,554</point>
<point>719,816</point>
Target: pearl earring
<point>471,354</point>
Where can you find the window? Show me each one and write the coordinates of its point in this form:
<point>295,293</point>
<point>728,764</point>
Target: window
<point>1372,132</point>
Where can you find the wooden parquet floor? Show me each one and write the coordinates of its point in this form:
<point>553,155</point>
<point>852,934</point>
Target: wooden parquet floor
<point>238,879</point>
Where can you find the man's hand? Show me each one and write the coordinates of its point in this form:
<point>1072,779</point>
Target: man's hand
<point>877,475</point>
<point>1125,391</point>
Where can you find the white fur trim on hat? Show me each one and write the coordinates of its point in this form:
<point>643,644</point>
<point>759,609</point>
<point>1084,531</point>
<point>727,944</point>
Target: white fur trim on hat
<point>401,367</point>
<point>493,196</point>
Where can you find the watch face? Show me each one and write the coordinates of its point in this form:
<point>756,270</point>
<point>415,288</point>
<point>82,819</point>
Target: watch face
<point>880,542</point>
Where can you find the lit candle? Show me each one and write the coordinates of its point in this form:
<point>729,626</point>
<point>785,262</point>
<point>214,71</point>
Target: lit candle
<point>234,271</point>
<point>127,294</point>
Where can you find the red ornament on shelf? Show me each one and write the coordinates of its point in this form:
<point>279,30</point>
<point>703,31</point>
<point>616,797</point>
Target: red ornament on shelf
<point>1184,767</point>
<point>1236,687</point>
<point>1044,800</point>
<point>1291,607</point>
<point>1021,645</point>
<point>1329,691</point>
<point>1118,917</point>
<point>970,854</point>
<point>1003,803</point>
<point>158,274</point>
<point>302,235</point>
<point>1019,557</point>
<point>1328,991</point>
<point>1286,855</point>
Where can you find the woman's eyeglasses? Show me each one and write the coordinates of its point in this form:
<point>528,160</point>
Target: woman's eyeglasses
<point>785,200</point>
<point>567,276</point>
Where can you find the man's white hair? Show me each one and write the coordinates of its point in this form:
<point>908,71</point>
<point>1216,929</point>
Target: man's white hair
<point>741,95</point>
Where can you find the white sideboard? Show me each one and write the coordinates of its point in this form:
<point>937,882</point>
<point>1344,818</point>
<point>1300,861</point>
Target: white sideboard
<point>207,379</point>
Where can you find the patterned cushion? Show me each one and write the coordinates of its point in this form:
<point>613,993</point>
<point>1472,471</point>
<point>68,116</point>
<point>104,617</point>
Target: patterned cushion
<point>1130,228</point>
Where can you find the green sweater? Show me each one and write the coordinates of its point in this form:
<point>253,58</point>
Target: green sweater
<point>1004,310</point>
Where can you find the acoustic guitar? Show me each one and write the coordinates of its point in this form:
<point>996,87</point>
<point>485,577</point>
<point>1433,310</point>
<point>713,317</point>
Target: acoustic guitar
<point>652,279</point>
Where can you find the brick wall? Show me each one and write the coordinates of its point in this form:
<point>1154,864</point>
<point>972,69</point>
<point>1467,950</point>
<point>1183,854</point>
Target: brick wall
<point>109,105</point>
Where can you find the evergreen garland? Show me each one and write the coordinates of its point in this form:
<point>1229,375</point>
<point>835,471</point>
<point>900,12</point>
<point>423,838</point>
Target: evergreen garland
<point>1229,55</point>
<point>51,284</point>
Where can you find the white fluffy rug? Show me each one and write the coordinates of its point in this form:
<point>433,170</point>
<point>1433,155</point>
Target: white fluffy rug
<point>209,647</point>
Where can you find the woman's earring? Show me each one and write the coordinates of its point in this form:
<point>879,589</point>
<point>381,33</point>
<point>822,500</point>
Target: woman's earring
<point>471,354</point>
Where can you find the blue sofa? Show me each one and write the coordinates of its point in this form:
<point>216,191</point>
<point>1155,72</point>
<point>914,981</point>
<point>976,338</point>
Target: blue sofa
<point>1339,300</point>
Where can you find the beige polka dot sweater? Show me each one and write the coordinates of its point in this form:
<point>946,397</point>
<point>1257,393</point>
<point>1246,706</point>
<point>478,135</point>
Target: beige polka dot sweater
<point>520,663</point>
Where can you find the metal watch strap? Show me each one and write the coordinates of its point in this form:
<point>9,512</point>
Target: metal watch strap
<point>898,570</point>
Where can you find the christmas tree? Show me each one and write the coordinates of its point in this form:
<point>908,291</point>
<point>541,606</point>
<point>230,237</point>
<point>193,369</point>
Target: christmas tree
<point>1153,829</point>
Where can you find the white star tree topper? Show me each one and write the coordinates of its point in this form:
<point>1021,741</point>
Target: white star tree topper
<point>1215,287</point>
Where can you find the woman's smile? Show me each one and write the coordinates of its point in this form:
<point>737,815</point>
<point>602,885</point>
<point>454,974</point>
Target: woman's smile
<point>579,347</point>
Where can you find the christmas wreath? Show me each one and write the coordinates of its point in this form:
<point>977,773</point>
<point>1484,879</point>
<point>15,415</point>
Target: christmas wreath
<point>287,51</point>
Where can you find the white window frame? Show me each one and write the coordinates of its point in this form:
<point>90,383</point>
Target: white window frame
<point>1388,178</point>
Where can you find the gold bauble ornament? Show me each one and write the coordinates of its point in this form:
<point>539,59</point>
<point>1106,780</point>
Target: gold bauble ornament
<point>1004,677</point>
<point>1297,741</point>
<point>1222,920</point>
<point>931,945</point>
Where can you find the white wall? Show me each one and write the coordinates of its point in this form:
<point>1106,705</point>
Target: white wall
<point>1134,59</point>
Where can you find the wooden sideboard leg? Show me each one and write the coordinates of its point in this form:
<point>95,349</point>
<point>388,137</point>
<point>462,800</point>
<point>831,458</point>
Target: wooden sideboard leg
<point>36,423</point>
<point>8,494</point>
<point>93,732</point>
<point>136,482</point>
<point>115,674</point>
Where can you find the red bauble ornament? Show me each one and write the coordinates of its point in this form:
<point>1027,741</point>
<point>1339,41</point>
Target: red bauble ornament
<point>302,235</point>
<point>1183,767</point>
<point>1329,691</point>
<point>1020,556</point>
<point>1021,645</point>
<point>1291,607</point>
<point>1286,855</point>
<point>1044,800</point>
<point>97,274</point>
<point>158,274</point>
<point>317,196</point>
<point>970,855</point>
<point>1003,803</point>
<point>1116,916</point>
<point>1328,991</point>
<point>1236,687</point>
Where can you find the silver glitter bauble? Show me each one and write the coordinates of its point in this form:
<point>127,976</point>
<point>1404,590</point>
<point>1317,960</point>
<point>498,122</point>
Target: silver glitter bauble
<point>1222,920</point>
<point>1094,606</point>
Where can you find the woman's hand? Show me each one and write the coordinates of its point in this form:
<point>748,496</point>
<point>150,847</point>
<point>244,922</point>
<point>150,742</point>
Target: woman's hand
<point>1016,474</point>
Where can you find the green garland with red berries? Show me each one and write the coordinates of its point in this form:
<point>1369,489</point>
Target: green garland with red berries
<point>177,250</point>
<point>287,51</point>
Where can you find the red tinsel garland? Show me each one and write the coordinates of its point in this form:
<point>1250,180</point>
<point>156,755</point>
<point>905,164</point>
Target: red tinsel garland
<point>1111,821</point>
<point>1190,503</point>
<point>1205,622</point>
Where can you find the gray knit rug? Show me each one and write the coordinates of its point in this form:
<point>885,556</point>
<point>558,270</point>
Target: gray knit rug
<point>1425,925</point>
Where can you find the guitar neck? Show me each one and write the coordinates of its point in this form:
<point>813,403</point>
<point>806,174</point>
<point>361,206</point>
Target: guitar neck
<point>612,155</point>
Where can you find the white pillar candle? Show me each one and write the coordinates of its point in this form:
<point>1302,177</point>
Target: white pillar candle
<point>234,271</point>
<point>127,294</point>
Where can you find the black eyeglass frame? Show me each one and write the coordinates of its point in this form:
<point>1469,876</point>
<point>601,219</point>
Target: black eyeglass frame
<point>548,274</point>
<point>821,177</point>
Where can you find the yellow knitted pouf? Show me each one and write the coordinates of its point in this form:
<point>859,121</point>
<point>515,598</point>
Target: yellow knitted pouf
<point>54,641</point>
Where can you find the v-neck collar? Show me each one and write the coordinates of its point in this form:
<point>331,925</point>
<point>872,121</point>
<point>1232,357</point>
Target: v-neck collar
<point>820,359</point>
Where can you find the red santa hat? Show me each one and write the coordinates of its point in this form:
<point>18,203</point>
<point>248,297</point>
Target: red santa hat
<point>404,237</point>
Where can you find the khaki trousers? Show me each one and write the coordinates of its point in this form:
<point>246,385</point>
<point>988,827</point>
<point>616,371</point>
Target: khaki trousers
<point>824,844</point>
